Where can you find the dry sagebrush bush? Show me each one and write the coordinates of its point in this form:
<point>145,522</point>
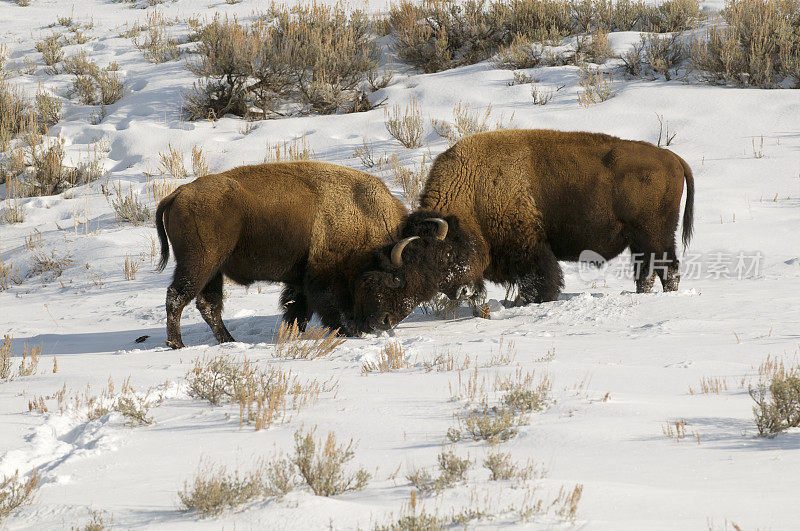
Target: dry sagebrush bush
<point>156,45</point>
<point>92,84</point>
<point>416,518</point>
<point>365,153</point>
<point>15,114</point>
<point>663,52</point>
<point>436,35</point>
<point>296,149</point>
<point>7,274</point>
<point>594,46</point>
<point>37,166</point>
<point>405,124</point>
<point>80,65</point>
<point>128,207</point>
<point>411,180</point>
<point>158,190</point>
<point>502,467</point>
<point>493,425</point>
<point>6,374</point>
<point>777,397</point>
<point>452,469</point>
<point>15,492</point>
<point>521,53</point>
<point>214,490</point>
<point>446,361</point>
<point>315,342</point>
<point>171,162</point>
<point>439,35</point>
<point>130,267</point>
<point>319,465</point>
<point>263,396</point>
<point>760,45</point>
<point>30,360</point>
<point>134,407</point>
<point>311,58</point>
<point>598,86</point>
<point>523,392</point>
<point>50,266</point>
<point>48,108</point>
<point>199,163</point>
<point>12,212</point>
<point>466,123</point>
<point>391,358</point>
<point>50,175</point>
<point>4,54</point>
<point>51,51</point>
<point>322,465</point>
<point>709,384</point>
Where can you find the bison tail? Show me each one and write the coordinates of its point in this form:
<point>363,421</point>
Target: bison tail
<point>688,210</point>
<point>163,206</point>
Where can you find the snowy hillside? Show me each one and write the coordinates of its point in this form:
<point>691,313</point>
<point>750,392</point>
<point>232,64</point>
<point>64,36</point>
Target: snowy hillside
<point>645,420</point>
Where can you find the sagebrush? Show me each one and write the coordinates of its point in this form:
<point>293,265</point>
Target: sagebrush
<point>305,59</point>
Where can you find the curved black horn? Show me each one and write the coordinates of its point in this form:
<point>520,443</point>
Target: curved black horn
<point>397,250</point>
<point>441,232</point>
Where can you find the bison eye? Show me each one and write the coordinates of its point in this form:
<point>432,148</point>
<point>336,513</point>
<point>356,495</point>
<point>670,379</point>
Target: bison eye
<point>394,282</point>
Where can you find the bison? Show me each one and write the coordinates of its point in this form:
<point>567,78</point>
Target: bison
<point>507,205</point>
<point>315,227</point>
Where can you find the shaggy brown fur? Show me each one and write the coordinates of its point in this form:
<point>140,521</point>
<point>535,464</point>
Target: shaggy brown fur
<point>310,225</point>
<point>517,201</point>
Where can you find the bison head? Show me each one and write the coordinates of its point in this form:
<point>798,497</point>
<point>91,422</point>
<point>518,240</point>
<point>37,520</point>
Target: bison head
<point>410,272</point>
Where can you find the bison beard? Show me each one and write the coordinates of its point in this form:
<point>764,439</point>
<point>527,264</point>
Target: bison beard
<point>310,225</point>
<point>518,201</point>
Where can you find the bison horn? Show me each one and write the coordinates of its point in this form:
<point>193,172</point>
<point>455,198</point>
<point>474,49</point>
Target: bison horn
<point>441,231</point>
<point>397,250</point>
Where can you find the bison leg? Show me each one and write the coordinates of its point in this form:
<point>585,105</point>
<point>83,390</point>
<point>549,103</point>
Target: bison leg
<point>644,274</point>
<point>295,306</point>
<point>185,287</point>
<point>544,282</point>
<point>643,270</point>
<point>650,261</point>
<point>209,302</point>
<point>179,294</point>
<point>668,270</point>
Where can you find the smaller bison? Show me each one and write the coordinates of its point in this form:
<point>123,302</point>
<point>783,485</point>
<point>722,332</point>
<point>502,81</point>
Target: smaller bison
<point>314,226</point>
<point>506,206</point>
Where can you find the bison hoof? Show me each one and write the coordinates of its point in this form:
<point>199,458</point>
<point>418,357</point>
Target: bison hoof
<point>174,344</point>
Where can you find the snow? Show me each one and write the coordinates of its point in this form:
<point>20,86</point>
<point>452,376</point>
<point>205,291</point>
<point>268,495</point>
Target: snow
<point>621,364</point>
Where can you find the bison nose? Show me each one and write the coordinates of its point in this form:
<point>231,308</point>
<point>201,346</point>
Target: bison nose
<point>384,323</point>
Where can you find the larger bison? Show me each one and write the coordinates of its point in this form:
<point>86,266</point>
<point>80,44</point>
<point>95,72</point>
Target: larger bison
<point>510,204</point>
<point>314,226</point>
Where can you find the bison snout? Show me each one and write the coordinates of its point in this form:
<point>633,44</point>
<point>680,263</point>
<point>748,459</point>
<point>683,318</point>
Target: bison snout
<point>383,324</point>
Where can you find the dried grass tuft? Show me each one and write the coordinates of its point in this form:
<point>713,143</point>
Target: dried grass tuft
<point>263,396</point>
<point>315,342</point>
<point>128,207</point>
<point>405,124</point>
<point>391,358</point>
<point>15,492</point>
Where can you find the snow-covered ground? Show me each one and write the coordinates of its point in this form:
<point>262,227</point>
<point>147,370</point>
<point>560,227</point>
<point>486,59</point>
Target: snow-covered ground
<point>621,364</point>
